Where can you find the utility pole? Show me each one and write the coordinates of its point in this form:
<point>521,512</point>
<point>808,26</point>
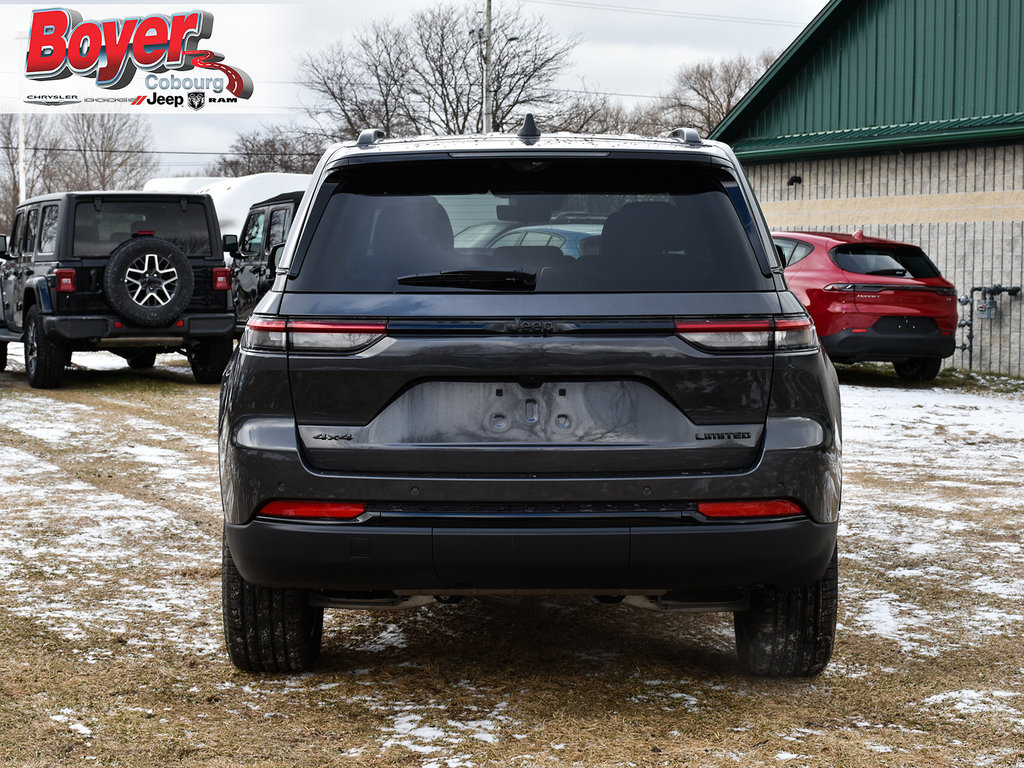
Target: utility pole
<point>21,37</point>
<point>488,104</point>
<point>21,157</point>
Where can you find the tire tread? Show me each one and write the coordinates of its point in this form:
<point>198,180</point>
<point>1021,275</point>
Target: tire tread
<point>268,629</point>
<point>790,632</point>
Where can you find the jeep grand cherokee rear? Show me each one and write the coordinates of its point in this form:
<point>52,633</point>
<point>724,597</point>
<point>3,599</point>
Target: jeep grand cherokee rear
<point>408,419</point>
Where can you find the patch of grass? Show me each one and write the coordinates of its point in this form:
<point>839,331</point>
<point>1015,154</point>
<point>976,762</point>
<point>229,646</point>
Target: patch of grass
<point>981,383</point>
<point>515,683</point>
<point>883,375</point>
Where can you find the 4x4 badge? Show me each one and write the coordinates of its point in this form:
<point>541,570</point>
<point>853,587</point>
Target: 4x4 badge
<point>325,436</point>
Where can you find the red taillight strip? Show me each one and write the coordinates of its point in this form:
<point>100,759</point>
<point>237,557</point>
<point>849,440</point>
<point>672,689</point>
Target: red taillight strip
<point>317,326</point>
<point>737,510</point>
<point>314,510</point>
<point>265,324</point>
<point>793,324</point>
<point>722,326</point>
<point>942,290</point>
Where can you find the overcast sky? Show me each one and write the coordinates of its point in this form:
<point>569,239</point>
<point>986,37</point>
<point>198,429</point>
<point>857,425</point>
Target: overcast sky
<point>628,47</point>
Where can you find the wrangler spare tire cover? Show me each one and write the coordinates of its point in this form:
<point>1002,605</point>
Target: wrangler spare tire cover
<point>148,281</point>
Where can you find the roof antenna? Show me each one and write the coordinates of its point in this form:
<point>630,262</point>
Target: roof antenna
<point>529,133</point>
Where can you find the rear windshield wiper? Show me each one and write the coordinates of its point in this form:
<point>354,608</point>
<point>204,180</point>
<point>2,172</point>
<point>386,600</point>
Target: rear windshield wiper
<point>495,279</point>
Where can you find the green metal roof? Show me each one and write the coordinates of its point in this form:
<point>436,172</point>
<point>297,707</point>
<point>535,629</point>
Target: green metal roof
<point>870,74</point>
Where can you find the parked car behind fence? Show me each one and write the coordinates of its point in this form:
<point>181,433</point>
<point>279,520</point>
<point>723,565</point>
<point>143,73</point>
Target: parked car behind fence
<point>873,299</point>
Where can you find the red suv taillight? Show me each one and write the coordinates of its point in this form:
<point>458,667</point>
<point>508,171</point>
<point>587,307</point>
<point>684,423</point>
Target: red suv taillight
<point>310,335</point>
<point>787,334</point>
<point>65,280</point>
<point>221,279</point>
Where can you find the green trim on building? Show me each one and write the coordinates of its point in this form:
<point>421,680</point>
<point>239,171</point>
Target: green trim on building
<point>876,74</point>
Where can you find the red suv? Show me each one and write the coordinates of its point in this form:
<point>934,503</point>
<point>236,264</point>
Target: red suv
<point>873,299</point>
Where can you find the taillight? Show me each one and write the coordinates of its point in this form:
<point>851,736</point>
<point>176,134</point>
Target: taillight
<point>795,333</point>
<point>843,288</point>
<point>727,334</point>
<point>65,280</point>
<point>221,279</point>
<point>265,334</point>
<point>314,510</point>
<point>310,335</point>
<point>736,510</point>
<point>755,335</point>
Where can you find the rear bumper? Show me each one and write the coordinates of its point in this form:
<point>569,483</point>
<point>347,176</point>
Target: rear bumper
<point>80,327</point>
<point>615,554</point>
<point>450,560</point>
<point>851,347</point>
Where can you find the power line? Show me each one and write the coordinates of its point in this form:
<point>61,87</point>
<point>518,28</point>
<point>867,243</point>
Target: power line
<point>606,93</point>
<point>162,152</point>
<point>658,12</point>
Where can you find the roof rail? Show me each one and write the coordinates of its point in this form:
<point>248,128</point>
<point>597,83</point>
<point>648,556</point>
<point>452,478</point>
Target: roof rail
<point>688,135</point>
<point>370,136</point>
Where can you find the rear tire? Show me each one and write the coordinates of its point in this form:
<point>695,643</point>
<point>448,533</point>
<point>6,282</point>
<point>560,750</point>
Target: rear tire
<point>44,359</point>
<point>3,355</point>
<point>209,358</point>
<point>918,368</point>
<point>268,629</point>
<point>790,632</point>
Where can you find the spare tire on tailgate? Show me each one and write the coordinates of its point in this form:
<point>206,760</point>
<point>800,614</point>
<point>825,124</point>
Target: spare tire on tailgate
<point>148,281</point>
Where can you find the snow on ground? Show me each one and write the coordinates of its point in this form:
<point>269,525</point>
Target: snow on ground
<point>111,570</point>
<point>931,496</point>
<point>932,487</point>
<point>89,563</point>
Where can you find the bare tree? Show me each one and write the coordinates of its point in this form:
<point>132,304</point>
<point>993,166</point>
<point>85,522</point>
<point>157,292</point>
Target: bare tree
<point>704,93</point>
<point>280,148</point>
<point>104,151</point>
<point>527,60</point>
<point>426,75</point>
<point>587,111</point>
<point>364,85</point>
<point>41,136</point>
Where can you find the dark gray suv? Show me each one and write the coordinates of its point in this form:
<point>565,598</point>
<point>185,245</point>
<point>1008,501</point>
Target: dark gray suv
<point>653,422</point>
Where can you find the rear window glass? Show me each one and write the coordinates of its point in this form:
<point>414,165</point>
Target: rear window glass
<point>888,260</point>
<point>657,227</point>
<point>98,232</point>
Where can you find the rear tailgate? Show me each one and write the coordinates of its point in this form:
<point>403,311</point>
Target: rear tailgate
<point>907,297</point>
<point>568,389</point>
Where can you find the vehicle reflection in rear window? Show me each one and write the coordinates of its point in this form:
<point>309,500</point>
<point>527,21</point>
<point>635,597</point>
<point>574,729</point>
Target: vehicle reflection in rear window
<point>638,226</point>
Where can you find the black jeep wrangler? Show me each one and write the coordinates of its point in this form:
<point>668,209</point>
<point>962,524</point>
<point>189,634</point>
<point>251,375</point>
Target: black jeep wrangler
<point>131,272</point>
